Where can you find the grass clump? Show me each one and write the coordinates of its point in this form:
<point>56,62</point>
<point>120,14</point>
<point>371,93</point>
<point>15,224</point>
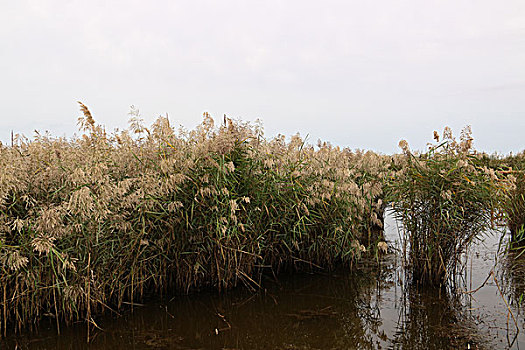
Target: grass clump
<point>94,222</point>
<point>444,199</point>
<point>514,199</point>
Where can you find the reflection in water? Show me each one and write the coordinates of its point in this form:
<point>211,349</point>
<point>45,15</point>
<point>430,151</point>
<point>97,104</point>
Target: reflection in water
<point>434,320</point>
<point>513,283</point>
<point>514,274</point>
<point>303,312</point>
<point>370,308</point>
<point>360,310</point>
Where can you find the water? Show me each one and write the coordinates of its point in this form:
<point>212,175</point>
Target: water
<point>366,309</point>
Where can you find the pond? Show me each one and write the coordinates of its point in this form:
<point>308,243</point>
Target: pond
<point>370,308</point>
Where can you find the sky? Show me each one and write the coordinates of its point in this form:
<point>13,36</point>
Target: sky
<point>360,74</point>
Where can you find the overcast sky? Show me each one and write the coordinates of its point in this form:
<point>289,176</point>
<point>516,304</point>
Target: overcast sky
<point>362,74</point>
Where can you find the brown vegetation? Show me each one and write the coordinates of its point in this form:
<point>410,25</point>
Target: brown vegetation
<point>93,222</point>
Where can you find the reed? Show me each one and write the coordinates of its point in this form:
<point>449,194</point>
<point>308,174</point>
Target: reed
<point>514,199</point>
<point>102,220</point>
<point>511,171</point>
<point>444,199</point>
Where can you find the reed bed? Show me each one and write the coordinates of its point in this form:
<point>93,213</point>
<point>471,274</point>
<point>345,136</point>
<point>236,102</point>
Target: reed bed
<point>100,220</point>
<point>514,200</point>
<point>444,198</point>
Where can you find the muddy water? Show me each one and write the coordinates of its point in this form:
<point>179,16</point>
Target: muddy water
<point>366,309</point>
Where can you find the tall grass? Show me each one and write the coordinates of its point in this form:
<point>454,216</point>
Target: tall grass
<point>514,201</point>
<point>444,199</point>
<point>91,223</point>
<point>512,174</point>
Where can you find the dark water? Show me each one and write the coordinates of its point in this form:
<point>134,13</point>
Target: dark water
<point>366,309</point>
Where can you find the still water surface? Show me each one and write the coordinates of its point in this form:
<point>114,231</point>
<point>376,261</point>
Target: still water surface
<point>371,308</point>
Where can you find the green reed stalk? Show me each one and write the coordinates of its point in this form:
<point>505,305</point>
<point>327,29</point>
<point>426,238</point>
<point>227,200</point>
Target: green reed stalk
<point>444,200</point>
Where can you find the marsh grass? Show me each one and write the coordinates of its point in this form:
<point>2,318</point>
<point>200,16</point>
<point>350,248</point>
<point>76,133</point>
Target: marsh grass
<point>514,200</point>
<point>99,221</point>
<point>444,200</point>
<point>511,173</point>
